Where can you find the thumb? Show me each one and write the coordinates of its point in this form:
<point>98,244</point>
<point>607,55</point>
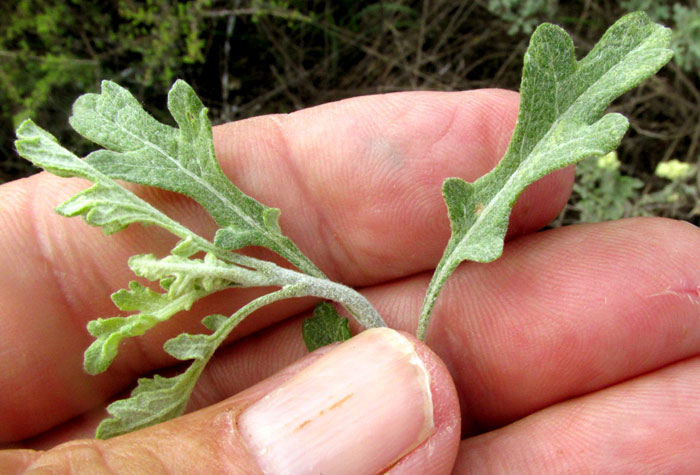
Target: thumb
<point>380,401</point>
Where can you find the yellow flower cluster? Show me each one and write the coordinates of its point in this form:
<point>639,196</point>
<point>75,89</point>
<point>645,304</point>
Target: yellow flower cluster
<point>675,170</point>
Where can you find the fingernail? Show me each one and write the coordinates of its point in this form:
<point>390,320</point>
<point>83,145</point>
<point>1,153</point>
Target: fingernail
<point>357,410</point>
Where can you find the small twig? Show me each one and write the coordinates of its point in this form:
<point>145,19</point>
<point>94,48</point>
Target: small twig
<point>421,39</point>
<point>61,59</point>
<point>690,154</point>
<point>227,109</point>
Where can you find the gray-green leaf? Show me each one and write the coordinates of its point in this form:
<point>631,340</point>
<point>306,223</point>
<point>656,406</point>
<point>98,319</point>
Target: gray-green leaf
<point>152,308</point>
<point>105,203</point>
<point>159,399</point>
<point>142,150</point>
<point>560,122</point>
<point>154,400</point>
<point>325,327</point>
<point>180,274</point>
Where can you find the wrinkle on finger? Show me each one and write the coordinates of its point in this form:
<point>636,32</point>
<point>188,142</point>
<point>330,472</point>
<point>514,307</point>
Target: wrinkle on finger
<point>561,314</point>
<point>567,312</point>
<point>646,425</point>
<point>378,167</point>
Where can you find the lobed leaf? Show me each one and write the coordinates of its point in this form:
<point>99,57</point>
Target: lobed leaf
<point>184,274</point>
<point>104,204</point>
<point>154,400</point>
<point>560,122</point>
<point>152,308</point>
<point>159,399</point>
<point>325,327</point>
<point>142,150</point>
<point>185,280</point>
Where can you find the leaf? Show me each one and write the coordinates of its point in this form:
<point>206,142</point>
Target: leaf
<point>214,322</point>
<point>159,399</point>
<point>142,150</point>
<point>185,281</point>
<point>190,347</point>
<point>560,122</point>
<point>153,308</point>
<point>180,274</point>
<point>109,332</point>
<point>154,400</point>
<point>105,203</point>
<point>325,327</point>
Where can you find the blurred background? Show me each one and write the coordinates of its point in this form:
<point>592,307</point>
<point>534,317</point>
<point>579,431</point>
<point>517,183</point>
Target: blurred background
<point>247,58</point>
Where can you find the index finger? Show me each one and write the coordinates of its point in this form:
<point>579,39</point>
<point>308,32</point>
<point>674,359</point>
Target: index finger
<point>361,196</point>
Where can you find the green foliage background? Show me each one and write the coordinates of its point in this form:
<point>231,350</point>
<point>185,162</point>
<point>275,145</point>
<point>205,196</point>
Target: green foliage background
<point>250,57</point>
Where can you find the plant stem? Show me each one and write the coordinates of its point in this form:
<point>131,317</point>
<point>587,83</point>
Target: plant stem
<point>358,306</point>
<point>442,272</point>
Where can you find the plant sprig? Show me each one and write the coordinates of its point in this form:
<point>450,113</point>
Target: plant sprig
<point>141,150</point>
<point>560,122</point>
<point>159,399</point>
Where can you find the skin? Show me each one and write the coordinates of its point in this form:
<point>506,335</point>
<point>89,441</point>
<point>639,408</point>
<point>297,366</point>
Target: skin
<point>577,351</point>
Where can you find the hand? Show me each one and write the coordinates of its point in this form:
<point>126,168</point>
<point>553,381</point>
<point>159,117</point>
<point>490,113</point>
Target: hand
<point>577,351</point>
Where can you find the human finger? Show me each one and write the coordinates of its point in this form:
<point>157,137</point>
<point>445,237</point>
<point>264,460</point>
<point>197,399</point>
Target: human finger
<point>56,270</point>
<point>561,314</point>
<point>647,425</point>
<point>358,170</point>
<point>377,402</point>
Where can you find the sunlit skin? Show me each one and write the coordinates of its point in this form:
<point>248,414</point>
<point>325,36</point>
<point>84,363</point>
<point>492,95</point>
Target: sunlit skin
<point>578,350</point>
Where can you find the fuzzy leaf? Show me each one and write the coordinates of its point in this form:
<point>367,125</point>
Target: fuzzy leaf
<point>153,308</point>
<point>325,327</point>
<point>105,203</point>
<point>140,298</point>
<point>159,399</point>
<point>214,322</point>
<point>185,280</point>
<point>108,333</point>
<point>154,400</point>
<point>180,274</point>
<point>560,122</point>
<point>189,347</point>
<point>142,150</point>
